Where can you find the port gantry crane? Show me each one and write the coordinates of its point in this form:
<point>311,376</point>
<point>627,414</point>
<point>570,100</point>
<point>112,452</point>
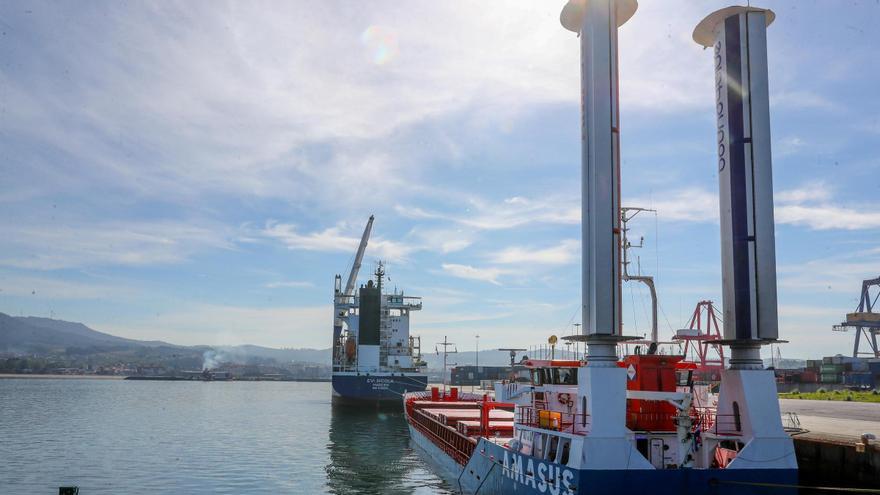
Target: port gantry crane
<point>864,320</point>
<point>702,339</point>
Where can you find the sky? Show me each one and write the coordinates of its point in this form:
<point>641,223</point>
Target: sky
<point>197,172</point>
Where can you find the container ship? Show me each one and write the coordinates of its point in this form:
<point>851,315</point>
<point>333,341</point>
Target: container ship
<point>374,357</point>
<point>635,424</point>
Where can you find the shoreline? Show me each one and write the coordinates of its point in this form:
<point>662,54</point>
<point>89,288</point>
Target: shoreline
<point>25,376</point>
<point>44,376</point>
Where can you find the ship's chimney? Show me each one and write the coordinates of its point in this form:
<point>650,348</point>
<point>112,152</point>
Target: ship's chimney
<point>738,37</point>
<point>596,22</point>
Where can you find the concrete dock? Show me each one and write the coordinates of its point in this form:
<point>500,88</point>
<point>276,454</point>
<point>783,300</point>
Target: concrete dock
<point>832,451</point>
<point>835,417</point>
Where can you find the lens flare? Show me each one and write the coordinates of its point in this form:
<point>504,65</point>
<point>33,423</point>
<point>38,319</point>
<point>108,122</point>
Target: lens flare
<point>381,44</point>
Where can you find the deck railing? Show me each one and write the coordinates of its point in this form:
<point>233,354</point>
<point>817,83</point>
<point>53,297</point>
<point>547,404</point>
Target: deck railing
<point>456,445</point>
<point>567,422</point>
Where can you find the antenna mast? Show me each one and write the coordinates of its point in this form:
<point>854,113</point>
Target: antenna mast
<point>625,217</point>
<point>446,352</point>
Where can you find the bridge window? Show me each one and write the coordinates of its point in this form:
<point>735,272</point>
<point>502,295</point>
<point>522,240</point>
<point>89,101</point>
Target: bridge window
<point>737,422</point>
<point>564,449</point>
<point>567,376</point>
<point>554,447</point>
<point>538,446</point>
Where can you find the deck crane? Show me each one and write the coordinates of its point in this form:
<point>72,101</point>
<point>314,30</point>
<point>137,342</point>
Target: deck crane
<point>359,257</point>
<point>346,297</point>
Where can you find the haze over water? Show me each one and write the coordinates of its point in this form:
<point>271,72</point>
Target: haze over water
<point>115,436</point>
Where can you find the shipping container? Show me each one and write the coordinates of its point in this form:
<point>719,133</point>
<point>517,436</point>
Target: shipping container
<point>829,378</point>
<point>831,368</point>
<point>809,376</point>
<point>860,365</point>
<point>858,379</point>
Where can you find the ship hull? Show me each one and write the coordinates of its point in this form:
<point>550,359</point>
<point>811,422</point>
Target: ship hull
<point>493,469</point>
<point>376,387</point>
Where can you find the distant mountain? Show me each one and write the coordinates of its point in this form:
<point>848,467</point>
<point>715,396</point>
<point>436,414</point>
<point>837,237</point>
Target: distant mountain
<point>35,335</point>
<point>70,328</point>
<point>39,336</point>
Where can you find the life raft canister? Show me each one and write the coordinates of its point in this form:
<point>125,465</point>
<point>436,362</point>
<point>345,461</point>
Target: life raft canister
<point>349,348</point>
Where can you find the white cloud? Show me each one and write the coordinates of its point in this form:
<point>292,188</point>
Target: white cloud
<point>564,253</point>
<point>291,284</point>
<point>430,318</point>
<point>472,273</point>
<point>78,244</point>
<point>811,191</point>
<point>512,212</point>
<point>789,146</point>
<point>43,288</point>
<point>811,206</point>
<point>333,240</point>
<point>828,217</point>
<point>842,273</point>
<point>692,204</point>
<point>442,240</point>
<point>231,325</point>
<point>800,99</point>
<point>240,103</point>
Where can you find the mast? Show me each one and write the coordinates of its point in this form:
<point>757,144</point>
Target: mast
<point>596,22</point>
<point>446,344</point>
<point>645,279</point>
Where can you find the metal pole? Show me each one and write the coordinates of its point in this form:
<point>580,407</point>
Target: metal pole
<point>477,371</point>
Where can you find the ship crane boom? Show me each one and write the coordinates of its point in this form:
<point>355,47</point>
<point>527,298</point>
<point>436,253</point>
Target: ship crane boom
<point>359,257</point>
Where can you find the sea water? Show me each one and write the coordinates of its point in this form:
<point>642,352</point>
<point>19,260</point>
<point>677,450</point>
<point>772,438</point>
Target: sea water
<point>120,436</point>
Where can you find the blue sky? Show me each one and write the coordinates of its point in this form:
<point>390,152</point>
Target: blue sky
<point>198,171</point>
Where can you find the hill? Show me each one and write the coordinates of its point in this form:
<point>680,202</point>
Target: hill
<point>41,335</point>
<point>35,336</point>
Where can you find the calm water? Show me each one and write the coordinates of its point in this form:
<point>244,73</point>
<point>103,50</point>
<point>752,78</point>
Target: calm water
<point>114,436</point>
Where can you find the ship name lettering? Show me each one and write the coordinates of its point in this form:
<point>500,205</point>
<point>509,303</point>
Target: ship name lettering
<point>542,477</point>
<point>547,478</point>
<point>531,474</point>
<point>566,480</point>
<point>719,107</point>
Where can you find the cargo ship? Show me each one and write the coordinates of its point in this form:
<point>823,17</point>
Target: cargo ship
<point>374,357</point>
<point>613,424</point>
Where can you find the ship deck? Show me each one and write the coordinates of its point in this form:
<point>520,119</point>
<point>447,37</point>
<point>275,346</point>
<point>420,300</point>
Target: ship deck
<point>456,423</point>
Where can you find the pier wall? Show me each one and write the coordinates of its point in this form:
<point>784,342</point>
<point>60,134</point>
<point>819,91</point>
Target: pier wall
<point>837,460</point>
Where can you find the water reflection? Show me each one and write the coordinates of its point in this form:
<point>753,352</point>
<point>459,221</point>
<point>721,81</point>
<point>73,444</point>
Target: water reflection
<point>369,452</point>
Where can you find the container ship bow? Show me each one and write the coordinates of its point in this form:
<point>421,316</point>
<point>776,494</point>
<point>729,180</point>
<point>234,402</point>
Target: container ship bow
<point>612,425</point>
<point>374,357</point>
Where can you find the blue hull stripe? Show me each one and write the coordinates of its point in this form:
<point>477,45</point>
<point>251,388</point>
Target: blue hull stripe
<point>485,473</point>
<point>377,387</point>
